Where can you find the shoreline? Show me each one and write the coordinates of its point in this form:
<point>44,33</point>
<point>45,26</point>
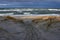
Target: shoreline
<point>31,17</point>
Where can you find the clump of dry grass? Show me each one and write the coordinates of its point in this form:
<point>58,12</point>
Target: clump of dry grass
<point>49,19</point>
<point>36,20</point>
<point>13,19</point>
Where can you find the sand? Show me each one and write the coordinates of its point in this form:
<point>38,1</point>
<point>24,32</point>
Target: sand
<point>29,27</point>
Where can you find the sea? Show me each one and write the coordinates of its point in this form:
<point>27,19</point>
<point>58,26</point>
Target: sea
<point>29,12</point>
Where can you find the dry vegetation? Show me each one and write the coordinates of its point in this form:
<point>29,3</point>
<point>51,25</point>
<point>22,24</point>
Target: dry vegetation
<point>46,18</point>
<point>49,19</point>
<point>13,19</point>
<point>37,19</point>
<point>33,18</point>
<point>32,32</point>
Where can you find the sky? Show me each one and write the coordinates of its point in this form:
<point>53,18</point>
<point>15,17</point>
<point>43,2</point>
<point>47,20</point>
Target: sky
<point>29,3</point>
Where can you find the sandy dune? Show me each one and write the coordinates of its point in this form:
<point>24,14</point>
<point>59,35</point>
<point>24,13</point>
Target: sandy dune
<point>30,28</point>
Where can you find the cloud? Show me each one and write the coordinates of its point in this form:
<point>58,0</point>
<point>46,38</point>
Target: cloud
<point>3,4</point>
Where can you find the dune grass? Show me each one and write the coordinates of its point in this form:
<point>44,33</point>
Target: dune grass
<point>13,19</point>
<point>49,19</point>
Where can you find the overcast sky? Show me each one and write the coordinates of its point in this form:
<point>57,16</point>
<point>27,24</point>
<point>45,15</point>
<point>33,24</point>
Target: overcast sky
<point>28,0</point>
<point>30,3</point>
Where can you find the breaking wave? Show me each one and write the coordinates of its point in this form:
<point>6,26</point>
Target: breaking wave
<point>29,12</point>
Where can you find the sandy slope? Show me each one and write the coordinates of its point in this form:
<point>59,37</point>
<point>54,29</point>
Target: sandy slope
<point>30,28</point>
